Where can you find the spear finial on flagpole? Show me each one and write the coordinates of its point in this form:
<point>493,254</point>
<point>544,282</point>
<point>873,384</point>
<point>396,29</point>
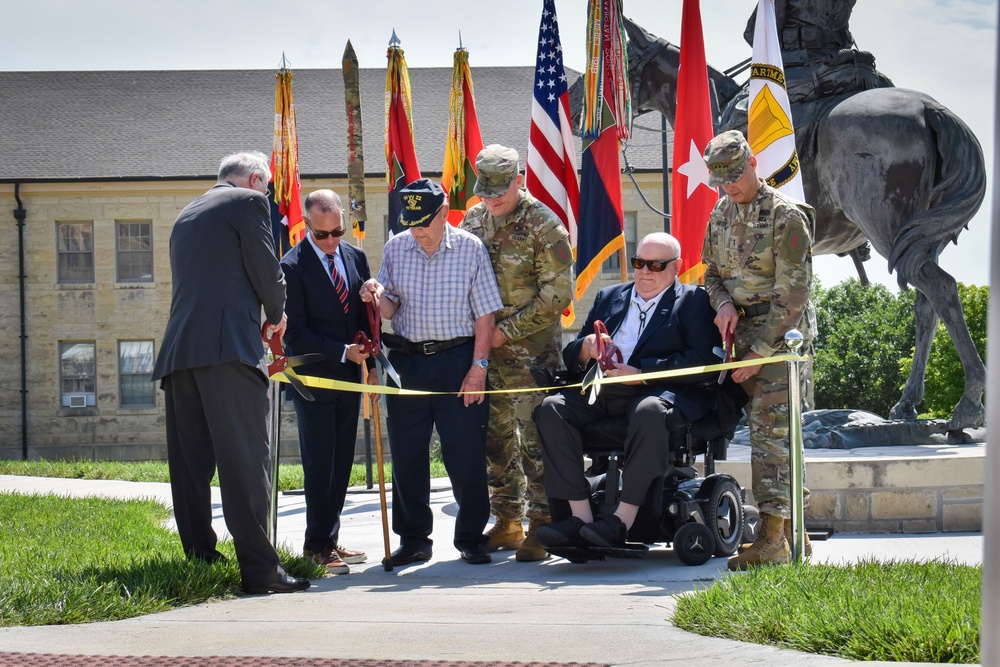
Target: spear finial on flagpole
<point>460,47</point>
<point>394,41</point>
<point>284,62</point>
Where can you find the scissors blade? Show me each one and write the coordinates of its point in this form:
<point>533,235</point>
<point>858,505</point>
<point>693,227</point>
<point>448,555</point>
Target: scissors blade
<point>303,359</point>
<point>595,386</point>
<point>294,380</point>
<point>387,367</point>
<point>589,378</point>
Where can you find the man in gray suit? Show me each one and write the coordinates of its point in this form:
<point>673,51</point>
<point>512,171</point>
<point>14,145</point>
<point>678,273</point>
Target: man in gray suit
<point>213,371</point>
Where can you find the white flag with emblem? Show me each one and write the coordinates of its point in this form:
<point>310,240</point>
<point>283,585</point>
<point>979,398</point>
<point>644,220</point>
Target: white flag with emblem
<point>769,121</point>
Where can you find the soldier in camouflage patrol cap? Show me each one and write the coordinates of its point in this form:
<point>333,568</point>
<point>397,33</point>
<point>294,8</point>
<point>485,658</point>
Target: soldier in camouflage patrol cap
<point>758,251</point>
<point>533,262</point>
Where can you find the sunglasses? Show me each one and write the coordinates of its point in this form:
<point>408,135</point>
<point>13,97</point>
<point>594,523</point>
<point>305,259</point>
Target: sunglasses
<point>654,265</point>
<point>336,233</point>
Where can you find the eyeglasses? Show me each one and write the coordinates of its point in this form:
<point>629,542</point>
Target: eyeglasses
<point>336,233</point>
<point>654,265</point>
<point>263,182</point>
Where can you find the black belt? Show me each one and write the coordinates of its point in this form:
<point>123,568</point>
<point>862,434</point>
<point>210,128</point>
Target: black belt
<point>428,347</point>
<point>753,311</point>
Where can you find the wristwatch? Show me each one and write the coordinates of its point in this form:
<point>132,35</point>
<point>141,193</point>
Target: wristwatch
<point>482,363</point>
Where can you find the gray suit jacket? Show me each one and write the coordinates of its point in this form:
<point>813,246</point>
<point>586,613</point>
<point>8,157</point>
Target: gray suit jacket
<point>224,269</point>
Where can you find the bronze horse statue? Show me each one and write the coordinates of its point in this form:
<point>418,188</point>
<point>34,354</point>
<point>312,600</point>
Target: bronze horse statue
<point>887,165</point>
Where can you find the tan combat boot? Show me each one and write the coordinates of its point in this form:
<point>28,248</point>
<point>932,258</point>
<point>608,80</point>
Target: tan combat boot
<point>505,534</point>
<point>788,538</point>
<point>769,548</point>
<point>530,550</point>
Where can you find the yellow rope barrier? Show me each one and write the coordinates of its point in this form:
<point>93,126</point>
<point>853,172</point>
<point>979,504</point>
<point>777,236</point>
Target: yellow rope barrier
<point>340,385</point>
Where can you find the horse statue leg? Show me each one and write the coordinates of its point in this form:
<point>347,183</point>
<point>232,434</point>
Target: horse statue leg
<point>938,293</point>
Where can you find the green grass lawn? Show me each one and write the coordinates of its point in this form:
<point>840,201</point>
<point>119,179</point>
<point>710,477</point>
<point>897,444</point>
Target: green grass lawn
<point>289,475</point>
<point>76,560</point>
<point>899,612</point>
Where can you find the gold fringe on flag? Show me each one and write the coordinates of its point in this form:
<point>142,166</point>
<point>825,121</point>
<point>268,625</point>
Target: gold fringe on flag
<point>397,81</point>
<point>454,153</point>
<point>286,145</point>
<point>606,57</point>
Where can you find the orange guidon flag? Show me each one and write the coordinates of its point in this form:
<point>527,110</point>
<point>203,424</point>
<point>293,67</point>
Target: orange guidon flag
<point>285,164</point>
<point>464,141</point>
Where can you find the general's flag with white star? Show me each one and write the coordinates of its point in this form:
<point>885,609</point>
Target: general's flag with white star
<point>692,198</point>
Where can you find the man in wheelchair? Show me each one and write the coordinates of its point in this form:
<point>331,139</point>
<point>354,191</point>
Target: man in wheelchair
<point>659,324</point>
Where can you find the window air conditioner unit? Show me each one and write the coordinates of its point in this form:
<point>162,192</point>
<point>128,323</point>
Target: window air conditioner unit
<point>75,400</point>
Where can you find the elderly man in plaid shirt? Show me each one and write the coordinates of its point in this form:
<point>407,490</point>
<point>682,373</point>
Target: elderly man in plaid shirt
<point>437,287</point>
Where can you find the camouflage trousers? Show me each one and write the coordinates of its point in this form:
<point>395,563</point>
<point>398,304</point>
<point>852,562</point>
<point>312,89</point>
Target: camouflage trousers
<point>513,447</point>
<point>767,419</point>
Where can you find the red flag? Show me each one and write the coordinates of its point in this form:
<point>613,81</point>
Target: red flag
<point>400,154</point>
<point>692,198</point>
<point>464,141</point>
<point>607,115</point>
<point>285,184</point>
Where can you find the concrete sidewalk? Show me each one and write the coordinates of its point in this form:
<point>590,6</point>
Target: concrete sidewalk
<point>612,612</point>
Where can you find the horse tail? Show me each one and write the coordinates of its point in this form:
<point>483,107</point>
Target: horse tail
<point>958,190</point>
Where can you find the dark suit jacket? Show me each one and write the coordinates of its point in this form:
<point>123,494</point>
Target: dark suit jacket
<point>680,334</point>
<point>223,270</point>
<point>316,319</point>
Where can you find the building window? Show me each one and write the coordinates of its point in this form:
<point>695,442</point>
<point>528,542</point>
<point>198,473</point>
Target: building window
<point>75,252</point>
<point>135,251</point>
<point>78,374</point>
<point>611,263</point>
<point>135,373</point>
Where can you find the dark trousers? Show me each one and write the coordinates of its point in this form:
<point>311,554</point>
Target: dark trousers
<point>652,421</point>
<point>328,428</point>
<point>410,421</point>
<point>217,416</point>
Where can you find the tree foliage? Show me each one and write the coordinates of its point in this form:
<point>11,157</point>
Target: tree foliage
<point>864,350</point>
<point>865,333</point>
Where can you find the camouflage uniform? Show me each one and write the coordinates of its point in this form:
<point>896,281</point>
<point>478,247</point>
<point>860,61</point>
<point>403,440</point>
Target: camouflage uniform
<point>760,253</point>
<point>533,262</point>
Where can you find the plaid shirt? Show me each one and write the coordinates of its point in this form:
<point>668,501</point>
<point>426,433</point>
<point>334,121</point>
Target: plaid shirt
<point>442,296</point>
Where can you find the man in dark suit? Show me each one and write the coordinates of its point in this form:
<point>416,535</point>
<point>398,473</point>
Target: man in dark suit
<point>213,371</point>
<point>660,325</point>
<point>325,313</point>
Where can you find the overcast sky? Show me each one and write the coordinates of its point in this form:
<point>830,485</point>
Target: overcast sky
<point>946,48</point>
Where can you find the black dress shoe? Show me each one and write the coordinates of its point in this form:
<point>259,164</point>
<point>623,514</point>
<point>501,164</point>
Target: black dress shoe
<point>404,555</point>
<point>284,584</point>
<point>565,533</point>
<point>476,555</point>
<point>607,531</point>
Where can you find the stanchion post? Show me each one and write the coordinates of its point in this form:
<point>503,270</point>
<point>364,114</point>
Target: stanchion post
<point>274,447</point>
<point>796,462</point>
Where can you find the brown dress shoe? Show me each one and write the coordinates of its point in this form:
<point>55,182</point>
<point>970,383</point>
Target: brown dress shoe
<point>351,557</point>
<point>332,562</point>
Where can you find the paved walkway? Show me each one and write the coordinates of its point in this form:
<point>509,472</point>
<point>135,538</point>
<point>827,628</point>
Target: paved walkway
<point>614,612</point>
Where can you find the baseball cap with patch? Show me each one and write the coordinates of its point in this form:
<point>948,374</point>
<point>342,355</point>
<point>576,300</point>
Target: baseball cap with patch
<point>421,200</point>
<point>496,167</point>
<point>726,157</point>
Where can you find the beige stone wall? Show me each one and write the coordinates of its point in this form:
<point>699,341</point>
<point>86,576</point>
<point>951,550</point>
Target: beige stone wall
<point>107,311</point>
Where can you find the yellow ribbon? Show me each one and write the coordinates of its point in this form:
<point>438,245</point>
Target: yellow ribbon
<point>357,387</point>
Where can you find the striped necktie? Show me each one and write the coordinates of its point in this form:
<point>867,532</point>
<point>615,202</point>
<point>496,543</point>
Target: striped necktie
<point>339,284</point>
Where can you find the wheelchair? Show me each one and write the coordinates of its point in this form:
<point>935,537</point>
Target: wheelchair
<point>699,515</point>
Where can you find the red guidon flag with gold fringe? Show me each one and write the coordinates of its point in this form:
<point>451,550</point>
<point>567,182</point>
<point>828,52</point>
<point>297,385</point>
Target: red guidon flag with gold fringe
<point>401,166</point>
<point>288,226</point>
<point>464,141</point>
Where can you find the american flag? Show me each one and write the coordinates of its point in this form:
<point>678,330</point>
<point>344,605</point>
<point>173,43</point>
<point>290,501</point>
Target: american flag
<point>550,174</point>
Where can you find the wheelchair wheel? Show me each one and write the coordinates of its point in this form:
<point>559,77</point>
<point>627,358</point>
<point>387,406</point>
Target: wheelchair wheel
<point>751,523</point>
<point>693,543</point>
<point>724,516</point>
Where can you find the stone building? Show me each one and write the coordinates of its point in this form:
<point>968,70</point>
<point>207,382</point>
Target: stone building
<point>94,168</point>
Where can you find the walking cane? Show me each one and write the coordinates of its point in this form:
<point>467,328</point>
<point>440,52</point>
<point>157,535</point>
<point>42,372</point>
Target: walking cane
<point>387,561</point>
<point>796,464</point>
<point>368,430</point>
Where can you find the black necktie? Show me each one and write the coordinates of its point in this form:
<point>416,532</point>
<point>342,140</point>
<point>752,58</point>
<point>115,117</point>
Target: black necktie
<point>339,284</point>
